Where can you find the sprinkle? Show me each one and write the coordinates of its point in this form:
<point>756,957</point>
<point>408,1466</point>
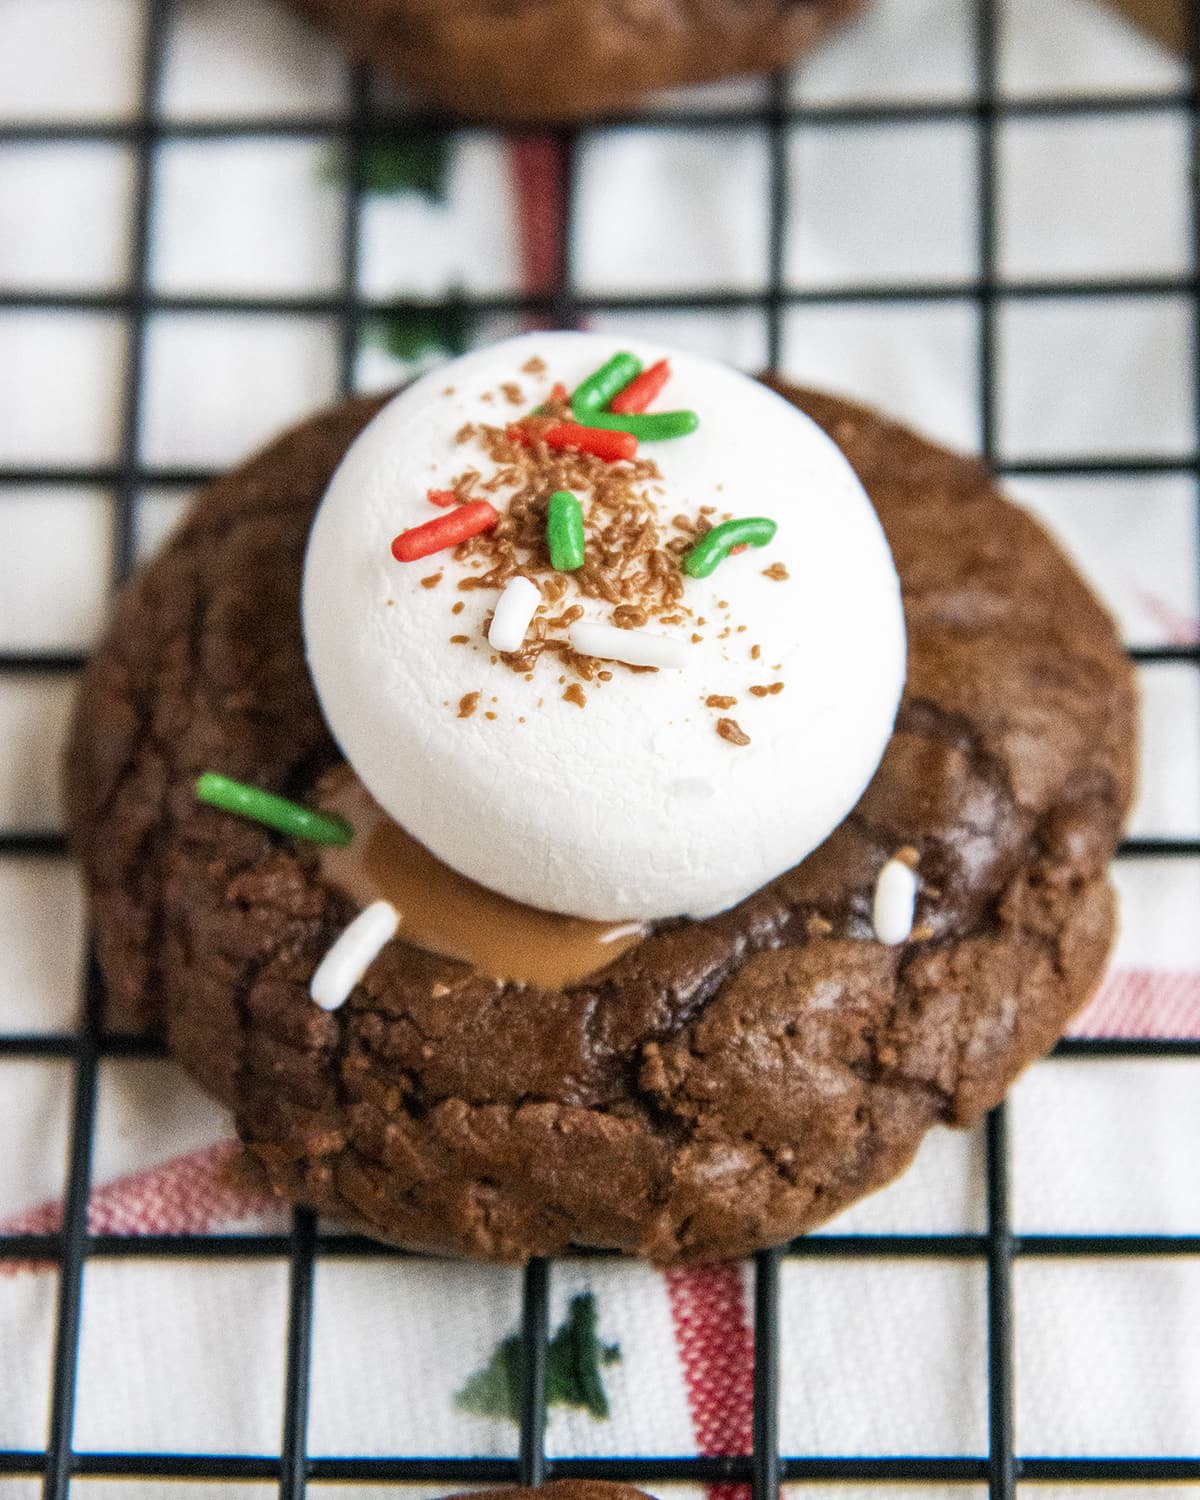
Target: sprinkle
<point>564,531</point>
<point>603,384</point>
<point>557,397</point>
<point>514,610</point>
<point>275,812</point>
<point>895,902</point>
<point>636,648</point>
<point>642,389</point>
<point>715,545</point>
<point>444,498</point>
<point>353,954</point>
<point>731,730</point>
<point>654,427</point>
<point>612,447</point>
<point>445,531</point>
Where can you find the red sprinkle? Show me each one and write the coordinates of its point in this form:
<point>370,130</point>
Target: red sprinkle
<point>558,391</point>
<point>443,498</point>
<point>612,447</point>
<point>641,390</point>
<point>445,531</point>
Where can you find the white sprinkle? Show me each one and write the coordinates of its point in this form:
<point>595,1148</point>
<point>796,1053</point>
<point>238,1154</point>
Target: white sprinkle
<point>637,648</point>
<point>895,902</point>
<point>514,610</point>
<point>623,930</point>
<point>353,954</point>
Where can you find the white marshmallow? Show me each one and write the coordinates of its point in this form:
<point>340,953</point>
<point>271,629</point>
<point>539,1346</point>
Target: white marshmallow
<point>595,811</point>
<point>514,610</point>
<point>895,902</point>
<point>353,954</point>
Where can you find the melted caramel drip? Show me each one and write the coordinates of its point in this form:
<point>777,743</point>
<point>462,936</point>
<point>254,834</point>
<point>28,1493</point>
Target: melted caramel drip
<point>444,912</point>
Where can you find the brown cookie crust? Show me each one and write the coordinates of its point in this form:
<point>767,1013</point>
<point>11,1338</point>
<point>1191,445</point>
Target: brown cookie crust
<point>725,1084</point>
<point>559,60</point>
<point>560,1489</point>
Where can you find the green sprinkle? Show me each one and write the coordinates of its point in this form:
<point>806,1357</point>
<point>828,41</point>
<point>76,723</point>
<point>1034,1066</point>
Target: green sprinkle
<point>651,427</point>
<point>276,812</point>
<point>714,547</point>
<point>564,531</point>
<point>599,389</point>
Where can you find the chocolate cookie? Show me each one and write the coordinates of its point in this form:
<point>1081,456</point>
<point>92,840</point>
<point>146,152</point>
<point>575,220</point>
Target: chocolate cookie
<point>724,1084</point>
<point>542,60</point>
<point>561,1489</point>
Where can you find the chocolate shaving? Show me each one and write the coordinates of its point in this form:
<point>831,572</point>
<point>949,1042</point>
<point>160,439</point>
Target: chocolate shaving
<point>777,571</point>
<point>731,730</point>
<point>467,705</point>
<point>632,554</point>
<point>719,700</point>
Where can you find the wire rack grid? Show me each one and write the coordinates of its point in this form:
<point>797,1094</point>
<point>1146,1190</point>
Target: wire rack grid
<point>765,1468</point>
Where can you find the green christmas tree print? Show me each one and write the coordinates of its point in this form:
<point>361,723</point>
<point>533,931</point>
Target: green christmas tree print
<point>574,1361</point>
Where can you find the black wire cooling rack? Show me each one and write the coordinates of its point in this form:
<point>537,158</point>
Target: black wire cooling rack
<point>1000,1468</point>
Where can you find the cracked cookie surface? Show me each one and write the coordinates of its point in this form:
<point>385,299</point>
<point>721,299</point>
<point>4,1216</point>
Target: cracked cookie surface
<point>540,60</point>
<point>725,1084</point>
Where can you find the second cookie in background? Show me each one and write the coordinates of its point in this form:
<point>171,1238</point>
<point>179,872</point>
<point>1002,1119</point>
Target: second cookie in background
<point>561,60</point>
